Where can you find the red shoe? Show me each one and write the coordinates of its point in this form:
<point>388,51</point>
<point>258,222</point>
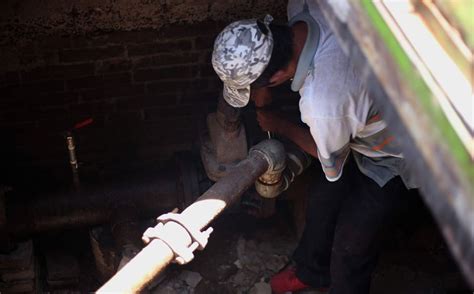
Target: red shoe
<point>286,281</point>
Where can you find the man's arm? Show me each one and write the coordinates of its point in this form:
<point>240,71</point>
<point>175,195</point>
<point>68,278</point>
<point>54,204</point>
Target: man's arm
<point>261,96</point>
<point>301,136</point>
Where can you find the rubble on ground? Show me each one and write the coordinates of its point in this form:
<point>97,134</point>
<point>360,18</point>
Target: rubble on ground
<point>236,261</point>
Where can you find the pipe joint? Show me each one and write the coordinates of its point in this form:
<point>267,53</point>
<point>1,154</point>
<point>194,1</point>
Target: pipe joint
<point>183,254</point>
<point>274,153</point>
<point>270,184</point>
<point>278,178</point>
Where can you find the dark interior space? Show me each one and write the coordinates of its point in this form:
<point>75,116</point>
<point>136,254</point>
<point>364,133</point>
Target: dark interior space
<point>132,83</point>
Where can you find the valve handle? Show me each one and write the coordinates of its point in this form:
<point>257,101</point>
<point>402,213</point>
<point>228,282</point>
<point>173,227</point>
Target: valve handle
<point>83,123</point>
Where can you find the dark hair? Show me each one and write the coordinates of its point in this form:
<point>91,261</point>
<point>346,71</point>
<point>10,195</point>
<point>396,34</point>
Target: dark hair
<point>281,54</point>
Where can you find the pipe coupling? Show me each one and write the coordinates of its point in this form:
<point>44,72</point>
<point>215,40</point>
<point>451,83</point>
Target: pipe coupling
<point>271,181</point>
<point>272,184</point>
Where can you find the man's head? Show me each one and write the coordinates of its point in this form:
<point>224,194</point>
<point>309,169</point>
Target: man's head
<point>243,56</point>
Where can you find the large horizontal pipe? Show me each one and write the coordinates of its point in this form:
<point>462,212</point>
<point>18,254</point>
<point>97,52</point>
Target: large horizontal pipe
<point>141,195</point>
<point>147,264</point>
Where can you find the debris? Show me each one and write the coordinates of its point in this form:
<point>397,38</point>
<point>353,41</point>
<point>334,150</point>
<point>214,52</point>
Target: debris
<point>62,269</point>
<point>191,278</point>
<point>238,264</point>
<point>261,288</point>
<point>18,269</point>
<point>225,271</point>
<point>275,263</point>
<point>244,278</point>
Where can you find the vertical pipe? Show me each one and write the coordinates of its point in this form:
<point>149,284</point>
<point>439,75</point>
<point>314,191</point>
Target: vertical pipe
<point>71,147</point>
<point>154,258</point>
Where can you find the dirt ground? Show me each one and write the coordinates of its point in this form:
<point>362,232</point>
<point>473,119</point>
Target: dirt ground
<point>244,253</point>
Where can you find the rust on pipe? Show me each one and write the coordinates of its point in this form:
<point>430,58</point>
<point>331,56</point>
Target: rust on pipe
<point>154,258</point>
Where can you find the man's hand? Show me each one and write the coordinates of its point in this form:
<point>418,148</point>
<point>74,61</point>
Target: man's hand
<point>261,96</point>
<point>270,121</point>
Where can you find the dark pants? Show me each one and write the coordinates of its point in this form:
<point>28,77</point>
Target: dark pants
<point>344,222</point>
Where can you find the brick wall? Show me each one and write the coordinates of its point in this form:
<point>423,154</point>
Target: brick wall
<point>147,92</point>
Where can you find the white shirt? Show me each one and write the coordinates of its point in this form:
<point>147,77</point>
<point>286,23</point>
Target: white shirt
<point>340,114</point>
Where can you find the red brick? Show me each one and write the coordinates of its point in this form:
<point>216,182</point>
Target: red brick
<point>122,37</point>
<point>177,129</point>
<point>72,70</point>
<point>145,101</point>
<point>206,56</point>
<point>130,103</point>
<point>54,42</point>
<point>167,59</point>
<point>125,90</point>
<point>12,77</point>
<point>214,83</point>
<point>90,109</point>
<point>90,54</point>
<point>204,71</point>
<point>116,79</point>
<point>206,42</point>
<point>56,124</point>
<point>112,92</point>
<point>200,84</point>
<point>164,87</point>
<point>84,83</point>
<point>164,73</point>
<point>129,118</point>
<point>167,112</point>
<point>182,31</point>
<point>92,94</point>
<point>80,42</point>
<point>117,65</point>
<point>160,100</point>
<point>17,128</point>
<point>56,99</point>
<point>17,114</point>
<point>176,122</point>
<point>162,47</point>
<point>200,97</point>
<point>32,89</point>
<point>58,71</point>
<point>58,112</point>
<point>99,81</point>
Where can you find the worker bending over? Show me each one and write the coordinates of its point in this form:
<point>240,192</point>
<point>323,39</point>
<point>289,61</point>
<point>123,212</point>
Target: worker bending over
<point>364,178</point>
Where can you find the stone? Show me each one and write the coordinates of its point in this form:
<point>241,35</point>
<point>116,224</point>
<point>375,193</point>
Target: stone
<point>261,288</point>
<point>240,247</point>
<point>275,263</point>
<point>238,264</point>
<point>20,258</point>
<point>244,278</point>
<point>62,269</point>
<point>191,278</point>
<point>225,271</point>
<point>27,274</point>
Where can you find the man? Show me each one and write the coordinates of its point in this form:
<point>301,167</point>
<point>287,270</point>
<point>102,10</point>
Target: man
<point>365,177</point>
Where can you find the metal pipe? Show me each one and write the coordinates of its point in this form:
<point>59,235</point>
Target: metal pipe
<point>296,162</point>
<point>71,147</point>
<point>141,195</point>
<point>147,264</point>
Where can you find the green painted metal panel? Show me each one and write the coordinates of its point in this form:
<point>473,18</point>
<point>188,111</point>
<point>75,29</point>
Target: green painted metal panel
<point>422,91</point>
